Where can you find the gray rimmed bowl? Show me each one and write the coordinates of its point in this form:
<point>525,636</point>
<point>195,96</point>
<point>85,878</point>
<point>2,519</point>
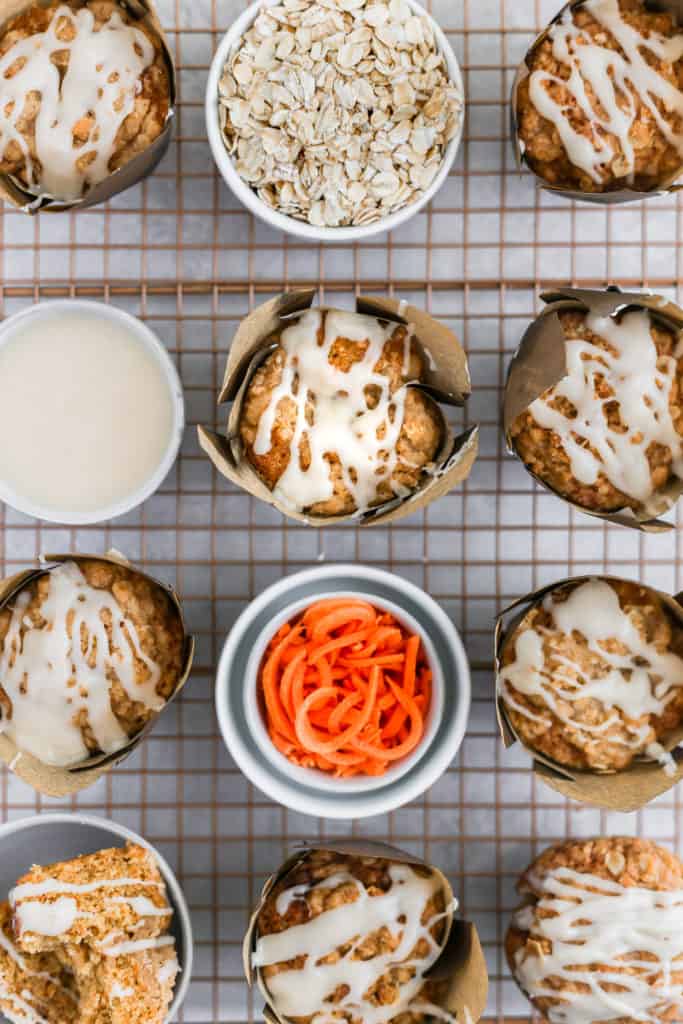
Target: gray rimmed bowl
<point>309,791</point>
<point>47,838</point>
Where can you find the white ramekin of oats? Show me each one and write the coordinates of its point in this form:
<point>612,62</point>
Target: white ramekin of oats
<point>334,122</point>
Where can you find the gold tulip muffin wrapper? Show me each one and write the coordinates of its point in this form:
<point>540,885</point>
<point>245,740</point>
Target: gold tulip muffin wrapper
<point>539,363</point>
<point>446,380</point>
<point>48,779</point>
<point>461,961</point>
<point>618,196</point>
<point>31,201</point>
<point>627,790</point>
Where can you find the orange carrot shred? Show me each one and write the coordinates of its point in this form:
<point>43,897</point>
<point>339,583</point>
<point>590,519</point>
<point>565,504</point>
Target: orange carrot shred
<point>346,689</point>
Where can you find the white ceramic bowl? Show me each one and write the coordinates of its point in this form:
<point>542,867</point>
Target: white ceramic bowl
<point>280,221</point>
<point>309,791</point>
<point>47,838</point>
<point>137,329</point>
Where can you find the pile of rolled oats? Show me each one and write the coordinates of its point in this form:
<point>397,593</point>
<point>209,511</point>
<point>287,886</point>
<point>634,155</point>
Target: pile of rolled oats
<point>338,112</point>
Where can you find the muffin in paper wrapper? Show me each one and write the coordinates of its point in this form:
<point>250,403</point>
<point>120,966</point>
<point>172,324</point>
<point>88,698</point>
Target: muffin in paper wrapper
<point>540,363</point>
<point>31,201</point>
<point>626,790</point>
<point>461,963</point>
<point>623,195</point>
<point>446,381</point>
<point>54,781</point>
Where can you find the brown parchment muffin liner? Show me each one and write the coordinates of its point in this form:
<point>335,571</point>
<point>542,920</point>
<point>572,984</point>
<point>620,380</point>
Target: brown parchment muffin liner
<point>626,790</point>
<point>461,963</point>
<point>48,779</point>
<point>540,363</point>
<point>31,201</point>
<point>446,380</point>
<point>624,195</point>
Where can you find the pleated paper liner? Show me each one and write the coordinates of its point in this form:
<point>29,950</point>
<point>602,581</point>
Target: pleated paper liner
<point>48,779</point>
<point>461,963</point>
<point>539,363</point>
<point>623,195</point>
<point>626,790</point>
<point>446,381</point>
<point>13,191</point>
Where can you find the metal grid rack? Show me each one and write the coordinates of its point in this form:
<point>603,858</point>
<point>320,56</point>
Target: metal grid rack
<point>178,251</point>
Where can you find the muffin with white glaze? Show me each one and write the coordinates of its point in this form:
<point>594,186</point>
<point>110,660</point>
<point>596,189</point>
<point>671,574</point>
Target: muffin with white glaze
<point>599,106</point>
<point>609,434</point>
<point>592,675</point>
<point>352,938</point>
<point>90,651</point>
<point>84,88</point>
<point>330,421</point>
<point>599,935</point>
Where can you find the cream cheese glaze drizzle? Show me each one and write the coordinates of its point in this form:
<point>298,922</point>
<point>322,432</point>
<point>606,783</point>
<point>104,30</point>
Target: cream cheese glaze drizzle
<point>640,382</point>
<point>588,63</point>
<point>56,916</point>
<point>103,77</point>
<point>343,423</point>
<point>638,683</point>
<point>592,920</point>
<point>49,679</point>
<point>304,992</point>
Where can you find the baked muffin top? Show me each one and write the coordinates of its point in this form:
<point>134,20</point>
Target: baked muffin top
<point>328,421</point>
<point>602,107</point>
<point>89,653</point>
<point>600,934</point>
<point>83,89</point>
<point>352,937</point>
<point>592,676</point>
<point>609,434</point>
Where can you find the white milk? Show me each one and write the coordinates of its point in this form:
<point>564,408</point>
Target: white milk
<point>86,414</point>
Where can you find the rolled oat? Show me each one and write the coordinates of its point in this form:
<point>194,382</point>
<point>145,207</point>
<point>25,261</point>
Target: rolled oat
<point>338,112</point>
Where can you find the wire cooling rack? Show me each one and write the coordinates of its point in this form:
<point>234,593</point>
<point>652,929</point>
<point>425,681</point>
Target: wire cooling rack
<point>178,251</point>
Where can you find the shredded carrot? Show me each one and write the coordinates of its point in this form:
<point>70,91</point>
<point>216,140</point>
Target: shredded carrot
<point>346,688</point>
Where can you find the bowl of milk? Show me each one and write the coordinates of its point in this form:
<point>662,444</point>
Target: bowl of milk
<point>91,412</point>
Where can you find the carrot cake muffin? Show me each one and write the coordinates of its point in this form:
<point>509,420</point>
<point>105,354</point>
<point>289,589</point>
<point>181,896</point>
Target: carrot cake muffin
<point>592,676</point>
<point>329,421</point>
<point>599,936</point>
<point>88,653</point>
<point>601,107</point>
<point>83,89</point>
<point>33,988</point>
<point>609,435</point>
<point>351,937</point>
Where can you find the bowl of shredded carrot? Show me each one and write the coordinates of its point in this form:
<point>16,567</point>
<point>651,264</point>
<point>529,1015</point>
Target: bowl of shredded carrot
<point>343,691</point>
<point>346,690</point>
